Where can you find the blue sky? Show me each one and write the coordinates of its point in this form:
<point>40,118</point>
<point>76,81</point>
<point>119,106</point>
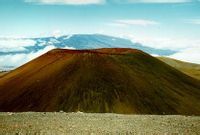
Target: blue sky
<point>38,17</point>
<point>167,24</point>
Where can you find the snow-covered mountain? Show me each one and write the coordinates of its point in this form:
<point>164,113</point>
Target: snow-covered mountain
<point>15,52</point>
<point>85,41</point>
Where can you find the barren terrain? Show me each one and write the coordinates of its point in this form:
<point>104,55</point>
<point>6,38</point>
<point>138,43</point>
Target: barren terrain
<point>86,123</point>
<point>190,69</point>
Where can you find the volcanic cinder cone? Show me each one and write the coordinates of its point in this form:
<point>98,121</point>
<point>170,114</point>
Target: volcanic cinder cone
<point>102,80</point>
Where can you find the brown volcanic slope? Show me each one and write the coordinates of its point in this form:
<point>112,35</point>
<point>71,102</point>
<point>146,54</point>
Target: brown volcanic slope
<point>2,73</point>
<point>102,80</point>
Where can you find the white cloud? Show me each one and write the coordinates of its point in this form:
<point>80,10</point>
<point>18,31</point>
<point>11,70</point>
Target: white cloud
<point>9,45</point>
<point>164,42</point>
<point>138,22</point>
<point>154,55</point>
<point>20,59</point>
<point>187,49</point>
<point>13,49</point>
<point>189,55</point>
<point>67,2</point>
<point>67,47</point>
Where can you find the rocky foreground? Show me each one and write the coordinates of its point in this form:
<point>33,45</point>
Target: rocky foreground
<point>82,123</point>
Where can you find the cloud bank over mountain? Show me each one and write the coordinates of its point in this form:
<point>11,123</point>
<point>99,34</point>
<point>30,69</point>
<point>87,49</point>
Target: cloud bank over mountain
<point>18,59</point>
<point>189,55</point>
<point>7,45</point>
<point>15,52</point>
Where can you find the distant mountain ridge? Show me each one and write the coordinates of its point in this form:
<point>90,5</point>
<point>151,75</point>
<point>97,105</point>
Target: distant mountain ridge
<point>76,41</point>
<point>87,41</point>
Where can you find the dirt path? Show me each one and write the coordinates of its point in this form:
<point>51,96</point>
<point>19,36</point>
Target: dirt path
<point>82,123</point>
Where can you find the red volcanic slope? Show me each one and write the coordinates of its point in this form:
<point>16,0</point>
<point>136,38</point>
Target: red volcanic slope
<point>118,80</point>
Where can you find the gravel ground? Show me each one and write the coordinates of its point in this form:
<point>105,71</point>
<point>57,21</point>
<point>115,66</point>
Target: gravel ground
<point>91,124</point>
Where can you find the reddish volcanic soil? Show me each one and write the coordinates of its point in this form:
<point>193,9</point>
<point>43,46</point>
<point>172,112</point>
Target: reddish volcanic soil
<point>103,80</point>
